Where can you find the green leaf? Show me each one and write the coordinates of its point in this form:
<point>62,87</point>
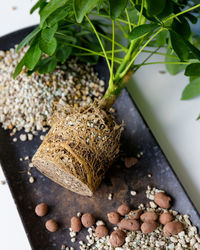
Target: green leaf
<point>32,56</point>
<point>82,7</point>
<point>37,5</point>
<point>28,38</point>
<point>193,69</point>
<point>193,19</point>
<point>161,38</point>
<point>142,30</point>
<point>193,49</point>
<point>116,7</point>
<point>47,65</point>
<point>182,27</point>
<point>191,90</point>
<point>65,38</point>
<point>198,118</point>
<point>48,47</point>
<point>18,69</point>
<point>58,15</point>
<point>155,7</point>
<point>48,33</point>
<point>62,53</point>
<point>173,69</point>
<point>179,45</point>
<point>52,6</point>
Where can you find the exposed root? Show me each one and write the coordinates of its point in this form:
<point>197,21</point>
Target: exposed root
<point>79,148</point>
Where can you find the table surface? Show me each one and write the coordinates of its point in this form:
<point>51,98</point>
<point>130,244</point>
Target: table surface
<point>157,95</point>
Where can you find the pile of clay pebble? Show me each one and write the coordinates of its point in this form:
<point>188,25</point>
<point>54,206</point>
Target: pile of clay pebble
<point>155,226</point>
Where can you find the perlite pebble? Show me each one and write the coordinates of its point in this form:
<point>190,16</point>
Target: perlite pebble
<point>27,101</point>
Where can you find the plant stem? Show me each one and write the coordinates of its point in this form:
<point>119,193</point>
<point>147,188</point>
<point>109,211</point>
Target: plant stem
<point>161,63</point>
<point>113,54</point>
<point>100,42</point>
<point>133,59</point>
<point>113,92</point>
<point>159,53</point>
<point>128,18</point>
<point>141,11</point>
<point>182,12</point>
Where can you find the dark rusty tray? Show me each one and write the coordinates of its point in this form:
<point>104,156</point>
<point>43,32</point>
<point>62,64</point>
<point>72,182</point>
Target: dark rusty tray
<point>119,180</point>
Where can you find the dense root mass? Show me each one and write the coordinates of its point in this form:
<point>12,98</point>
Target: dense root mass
<point>79,148</point>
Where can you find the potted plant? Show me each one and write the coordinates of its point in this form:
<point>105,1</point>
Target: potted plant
<point>83,142</point>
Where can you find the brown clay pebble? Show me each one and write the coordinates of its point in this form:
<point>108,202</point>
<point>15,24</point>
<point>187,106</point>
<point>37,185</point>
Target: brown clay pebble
<point>149,216</point>
<point>123,209</point>
<point>130,161</point>
<point>173,227</point>
<point>87,220</point>
<point>162,200</point>
<point>51,226</point>
<point>101,231</point>
<point>148,227</point>
<point>76,224</point>
<point>41,209</point>
<point>117,238</point>
<point>129,224</point>
<point>165,218</point>
<point>114,217</point>
<point>135,214</point>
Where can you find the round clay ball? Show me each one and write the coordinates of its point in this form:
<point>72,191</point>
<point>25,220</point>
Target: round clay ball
<point>148,227</point>
<point>76,224</point>
<point>114,217</point>
<point>87,220</point>
<point>41,209</point>
<point>165,218</point>
<point>162,200</point>
<point>101,231</point>
<point>172,228</point>
<point>51,226</point>
<point>149,216</point>
<point>129,224</point>
<point>123,209</point>
<point>117,238</point>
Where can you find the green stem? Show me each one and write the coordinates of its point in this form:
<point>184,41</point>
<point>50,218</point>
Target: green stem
<point>128,18</point>
<point>141,11</point>
<point>117,19</point>
<point>181,13</point>
<point>116,59</point>
<point>122,29</point>
<point>133,46</point>
<point>133,59</point>
<point>161,63</point>
<point>113,54</point>
<point>100,42</point>
<point>159,53</point>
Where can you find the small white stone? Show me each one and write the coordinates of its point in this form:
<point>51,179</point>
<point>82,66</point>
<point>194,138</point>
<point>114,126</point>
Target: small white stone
<point>30,137</point>
<point>110,196</point>
<point>31,179</point>
<point>133,193</point>
<point>23,137</point>
<point>73,239</point>
<point>15,139</point>
<point>152,204</point>
<point>42,137</point>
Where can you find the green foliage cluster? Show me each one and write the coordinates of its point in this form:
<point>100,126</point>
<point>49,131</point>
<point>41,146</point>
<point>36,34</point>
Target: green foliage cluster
<point>85,28</point>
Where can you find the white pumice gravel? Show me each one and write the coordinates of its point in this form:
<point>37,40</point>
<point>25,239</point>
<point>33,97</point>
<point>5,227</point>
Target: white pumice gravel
<point>133,193</point>
<point>27,101</point>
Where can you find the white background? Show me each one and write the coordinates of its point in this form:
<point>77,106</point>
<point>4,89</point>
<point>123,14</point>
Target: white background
<point>157,95</point>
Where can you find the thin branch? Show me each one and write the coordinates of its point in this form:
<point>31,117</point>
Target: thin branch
<point>100,42</point>
<point>133,59</point>
<point>150,63</point>
<point>141,11</point>
<point>182,12</point>
<point>113,54</point>
<point>159,53</point>
<point>128,18</point>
